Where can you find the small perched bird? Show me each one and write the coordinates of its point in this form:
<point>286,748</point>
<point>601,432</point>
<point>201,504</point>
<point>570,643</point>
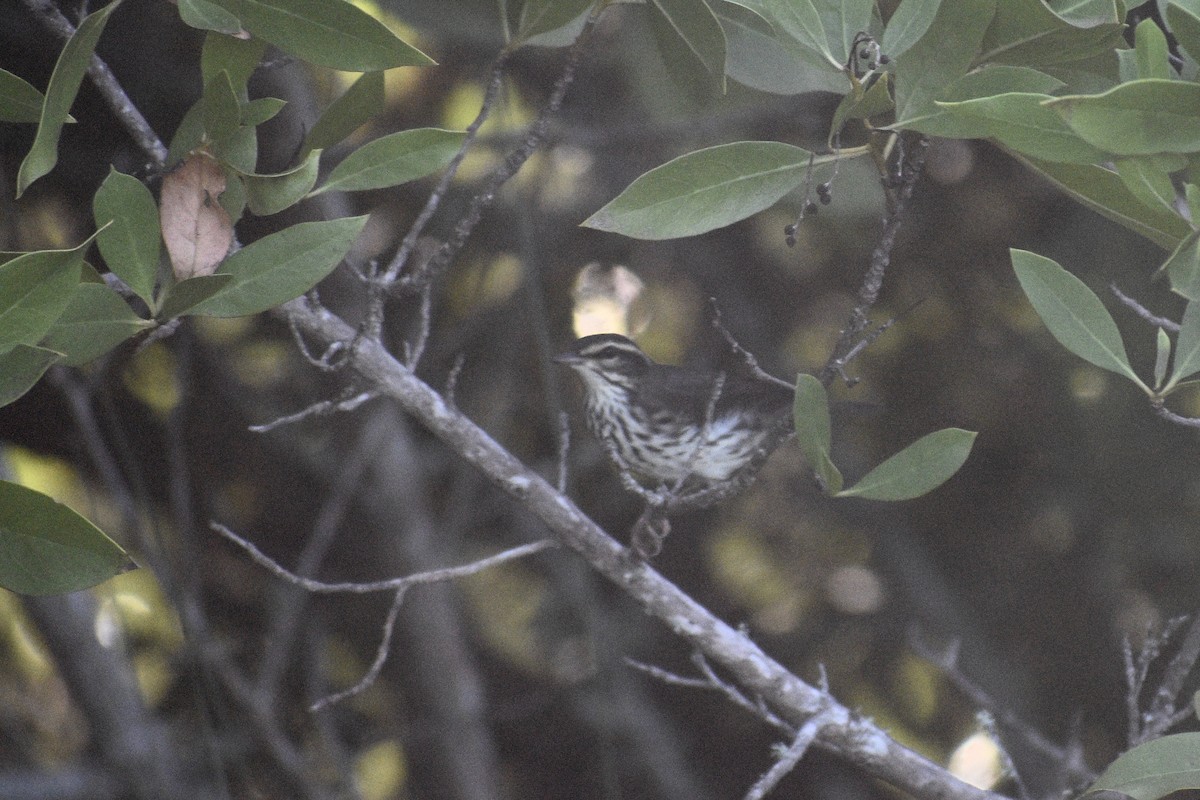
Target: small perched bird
<point>671,424</point>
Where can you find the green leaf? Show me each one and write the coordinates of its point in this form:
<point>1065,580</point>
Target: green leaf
<point>1073,313</point>
<point>208,16</point>
<point>34,291</point>
<point>988,81</point>
<point>1021,121</point>
<point>222,112</point>
<point>1150,45</point>
<point>1148,181</point>
<point>183,296</point>
<point>345,115</point>
<point>1183,265</point>
<point>1103,191</point>
<point>19,102</point>
<point>543,16</point>
<point>705,190</point>
<point>940,57</point>
<point>270,194</point>
<point>239,150</point>
<point>1141,117</point>
<point>21,367</point>
<point>230,54</point>
<point>95,321</point>
<point>256,112</point>
<point>908,24</point>
<point>843,20</point>
<point>131,245</point>
<point>1187,347</point>
<point>281,267</point>
<point>394,159</point>
<point>692,44</point>
<point>810,413</point>
<point>876,100</point>
<point>329,33</point>
<point>68,74</point>
<point>1162,355</point>
<point>188,136</point>
<point>1029,33</point>
<point>801,20</point>
<point>756,59</point>
<point>1154,769</point>
<point>917,469</point>
<point>46,548</point>
<point>1184,21</point>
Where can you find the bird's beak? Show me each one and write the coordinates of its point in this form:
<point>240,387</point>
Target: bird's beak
<point>569,359</point>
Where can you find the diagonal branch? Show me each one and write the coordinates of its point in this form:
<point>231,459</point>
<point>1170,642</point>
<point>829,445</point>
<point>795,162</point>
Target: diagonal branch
<point>857,740</point>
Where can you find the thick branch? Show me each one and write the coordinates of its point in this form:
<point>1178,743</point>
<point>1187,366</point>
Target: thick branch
<point>855,739</point>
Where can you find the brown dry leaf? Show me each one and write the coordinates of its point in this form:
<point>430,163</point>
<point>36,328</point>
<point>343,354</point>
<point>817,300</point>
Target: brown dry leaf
<point>197,230</point>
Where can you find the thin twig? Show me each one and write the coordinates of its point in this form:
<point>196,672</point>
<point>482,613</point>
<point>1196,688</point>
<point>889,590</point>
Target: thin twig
<point>323,408</point>
<point>910,163</point>
<point>1143,312</point>
<point>392,584</point>
<point>788,758</point>
<point>508,168</point>
<point>381,655</point>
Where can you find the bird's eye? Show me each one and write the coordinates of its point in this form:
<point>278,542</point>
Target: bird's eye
<point>610,351</point>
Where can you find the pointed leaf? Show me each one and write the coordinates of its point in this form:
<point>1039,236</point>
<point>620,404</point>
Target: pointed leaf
<point>691,46</point>
<point>256,112</point>
<point>329,33</point>
<point>1187,347</point>
<point>1147,181</point>
<point>1019,120</point>
<point>1030,33</point>
<point>705,190</point>
<point>270,194</point>
<point>95,321</point>
<point>917,469</point>
<point>281,267</point>
<point>1183,265</point>
<point>940,57</point>
<point>800,20</point>
<point>21,367</point>
<point>1072,313</point>
<point>34,291</point>
<point>1150,45</point>
<point>1103,191</point>
<point>394,159</point>
<point>183,296</point>
<point>46,548</point>
<point>810,414</point>
<point>236,57</point>
<point>131,244</point>
<point>345,115</point>
<point>1140,117</point>
<point>19,101</point>
<point>758,60</point>
<point>908,24</point>
<point>543,16</point>
<point>208,16</point>
<point>68,74</point>
<point>697,34</point>
<point>1155,769</point>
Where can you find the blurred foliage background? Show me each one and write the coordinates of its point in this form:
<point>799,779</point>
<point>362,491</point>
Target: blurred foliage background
<point>1071,527</point>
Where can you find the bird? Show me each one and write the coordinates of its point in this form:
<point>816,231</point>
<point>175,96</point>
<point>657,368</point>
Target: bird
<point>675,426</point>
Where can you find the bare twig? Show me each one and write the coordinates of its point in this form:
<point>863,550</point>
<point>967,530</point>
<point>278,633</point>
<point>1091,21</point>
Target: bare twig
<point>910,163</point>
<point>381,655</point>
<point>789,757</point>
<point>323,408</point>
<point>1143,312</point>
<point>393,584</point>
